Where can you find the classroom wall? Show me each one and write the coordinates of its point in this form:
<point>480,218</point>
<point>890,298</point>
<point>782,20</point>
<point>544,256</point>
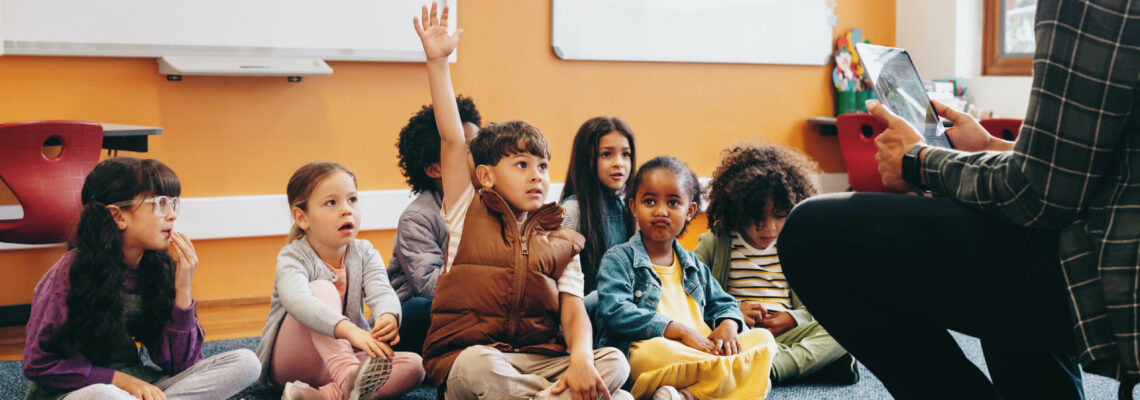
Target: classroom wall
<point>228,136</point>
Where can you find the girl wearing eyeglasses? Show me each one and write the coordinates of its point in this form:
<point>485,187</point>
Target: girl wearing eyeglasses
<point>120,285</point>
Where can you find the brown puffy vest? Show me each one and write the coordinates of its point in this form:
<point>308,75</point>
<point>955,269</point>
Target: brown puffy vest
<point>501,290</point>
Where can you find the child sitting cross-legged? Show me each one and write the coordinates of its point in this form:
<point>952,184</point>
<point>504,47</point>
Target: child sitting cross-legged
<point>752,191</point>
<point>685,336</point>
<point>507,320</point>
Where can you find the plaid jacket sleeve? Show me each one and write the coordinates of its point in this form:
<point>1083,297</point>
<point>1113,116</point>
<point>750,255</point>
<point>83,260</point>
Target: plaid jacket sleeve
<point>1075,168</point>
<point>1084,76</point>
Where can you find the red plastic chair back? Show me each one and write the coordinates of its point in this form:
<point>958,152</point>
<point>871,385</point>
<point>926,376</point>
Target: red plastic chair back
<point>857,141</point>
<point>47,189</point>
<point>1002,128</point>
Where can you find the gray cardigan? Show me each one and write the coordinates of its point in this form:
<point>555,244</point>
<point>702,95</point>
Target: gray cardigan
<point>297,265</point>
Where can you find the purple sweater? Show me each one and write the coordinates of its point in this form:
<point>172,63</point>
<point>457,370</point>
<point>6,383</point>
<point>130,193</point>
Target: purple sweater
<point>180,346</point>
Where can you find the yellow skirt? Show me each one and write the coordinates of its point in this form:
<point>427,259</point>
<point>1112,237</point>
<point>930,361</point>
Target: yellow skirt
<point>663,362</point>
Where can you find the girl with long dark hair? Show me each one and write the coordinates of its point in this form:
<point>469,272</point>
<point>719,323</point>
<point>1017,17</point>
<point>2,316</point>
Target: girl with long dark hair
<point>600,165</point>
<point>119,285</point>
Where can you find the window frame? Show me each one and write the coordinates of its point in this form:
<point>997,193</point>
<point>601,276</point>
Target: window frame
<point>992,61</point>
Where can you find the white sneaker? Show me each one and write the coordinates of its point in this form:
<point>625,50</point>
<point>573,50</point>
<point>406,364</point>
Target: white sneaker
<point>667,393</point>
<point>297,390</point>
<point>374,373</point>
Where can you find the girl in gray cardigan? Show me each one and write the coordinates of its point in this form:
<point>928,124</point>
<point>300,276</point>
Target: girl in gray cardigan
<point>316,321</point>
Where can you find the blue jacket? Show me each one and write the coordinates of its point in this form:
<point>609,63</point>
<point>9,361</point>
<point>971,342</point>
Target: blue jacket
<point>629,292</point>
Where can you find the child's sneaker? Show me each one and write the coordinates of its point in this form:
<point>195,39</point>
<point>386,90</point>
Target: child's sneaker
<point>374,373</point>
<point>297,390</point>
<point>843,371</point>
<point>667,393</point>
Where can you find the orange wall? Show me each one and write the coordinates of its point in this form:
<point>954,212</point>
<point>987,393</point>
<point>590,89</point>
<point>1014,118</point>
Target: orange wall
<point>243,136</point>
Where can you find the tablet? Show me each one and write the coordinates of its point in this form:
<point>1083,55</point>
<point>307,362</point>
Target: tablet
<point>898,86</point>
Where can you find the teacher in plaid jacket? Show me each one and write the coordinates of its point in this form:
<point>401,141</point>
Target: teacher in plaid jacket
<point>1032,246</point>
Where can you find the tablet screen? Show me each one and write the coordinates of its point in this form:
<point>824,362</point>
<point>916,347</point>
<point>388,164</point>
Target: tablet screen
<point>897,84</point>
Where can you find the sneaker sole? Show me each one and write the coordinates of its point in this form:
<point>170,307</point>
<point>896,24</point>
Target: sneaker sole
<point>374,373</point>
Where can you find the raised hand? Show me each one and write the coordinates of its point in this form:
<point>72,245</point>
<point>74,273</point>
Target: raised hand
<point>438,44</point>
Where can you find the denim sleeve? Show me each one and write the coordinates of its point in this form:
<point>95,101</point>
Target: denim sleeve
<point>615,301</point>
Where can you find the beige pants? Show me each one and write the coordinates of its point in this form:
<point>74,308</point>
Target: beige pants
<point>482,372</point>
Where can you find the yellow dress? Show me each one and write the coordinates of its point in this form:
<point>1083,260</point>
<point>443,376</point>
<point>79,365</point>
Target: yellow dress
<point>663,362</point>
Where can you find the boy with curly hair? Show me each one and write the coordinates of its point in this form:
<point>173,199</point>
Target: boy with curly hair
<point>752,191</point>
<point>421,236</point>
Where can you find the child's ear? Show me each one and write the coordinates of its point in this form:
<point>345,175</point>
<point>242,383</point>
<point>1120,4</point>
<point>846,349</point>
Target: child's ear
<point>693,208</point>
<point>118,217</point>
<point>483,174</point>
<point>300,218</point>
<point>433,171</point>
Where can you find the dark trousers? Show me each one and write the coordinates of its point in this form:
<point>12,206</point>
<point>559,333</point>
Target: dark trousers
<point>888,274</point>
<point>414,324</point>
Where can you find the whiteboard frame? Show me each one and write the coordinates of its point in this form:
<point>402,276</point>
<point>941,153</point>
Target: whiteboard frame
<point>10,46</point>
<point>627,30</point>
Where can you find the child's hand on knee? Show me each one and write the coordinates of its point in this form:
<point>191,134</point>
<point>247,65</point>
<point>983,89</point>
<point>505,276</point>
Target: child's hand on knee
<point>778,323</point>
<point>689,337</point>
<point>362,339</point>
<point>137,387</point>
<point>753,312</point>
<point>387,330</point>
<point>583,380</point>
<point>724,338</point>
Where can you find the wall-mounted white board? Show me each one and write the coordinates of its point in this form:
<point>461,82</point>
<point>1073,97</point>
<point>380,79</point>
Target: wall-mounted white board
<point>366,30</point>
<point>723,31</point>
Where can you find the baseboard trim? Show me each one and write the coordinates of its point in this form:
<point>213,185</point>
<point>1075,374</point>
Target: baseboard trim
<point>237,301</point>
<point>227,217</point>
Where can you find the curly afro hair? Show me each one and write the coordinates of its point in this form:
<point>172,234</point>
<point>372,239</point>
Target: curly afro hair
<point>748,175</point>
<point>418,143</point>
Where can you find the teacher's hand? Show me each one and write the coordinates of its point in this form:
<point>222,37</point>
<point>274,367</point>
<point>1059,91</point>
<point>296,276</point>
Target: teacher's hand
<point>967,134</point>
<point>892,144</point>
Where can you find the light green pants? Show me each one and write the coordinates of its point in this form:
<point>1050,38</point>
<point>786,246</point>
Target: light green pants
<point>804,350</point>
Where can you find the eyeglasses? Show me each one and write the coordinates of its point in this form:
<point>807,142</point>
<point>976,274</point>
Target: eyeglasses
<point>163,205</point>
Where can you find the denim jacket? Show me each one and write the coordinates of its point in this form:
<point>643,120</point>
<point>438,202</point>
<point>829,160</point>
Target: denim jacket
<point>629,292</point>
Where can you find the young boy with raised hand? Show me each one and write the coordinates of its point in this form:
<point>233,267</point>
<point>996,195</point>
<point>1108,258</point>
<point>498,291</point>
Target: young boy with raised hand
<point>508,304</point>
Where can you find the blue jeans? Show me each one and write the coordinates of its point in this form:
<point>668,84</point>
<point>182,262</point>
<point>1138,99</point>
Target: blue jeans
<point>888,274</point>
<point>413,327</point>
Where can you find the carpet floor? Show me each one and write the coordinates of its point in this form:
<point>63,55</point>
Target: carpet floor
<point>13,385</point>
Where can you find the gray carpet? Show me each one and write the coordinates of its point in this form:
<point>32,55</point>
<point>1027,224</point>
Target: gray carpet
<point>13,385</point>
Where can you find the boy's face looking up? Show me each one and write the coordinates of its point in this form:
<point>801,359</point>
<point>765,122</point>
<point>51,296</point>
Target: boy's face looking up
<point>763,233</point>
<point>523,179</point>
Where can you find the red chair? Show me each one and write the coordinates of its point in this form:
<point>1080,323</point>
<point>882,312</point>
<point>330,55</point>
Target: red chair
<point>1002,128</point>
<point>47,188</point>
<point>857,141</point>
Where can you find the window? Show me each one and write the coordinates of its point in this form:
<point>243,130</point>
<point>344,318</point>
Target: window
<point>1007,40</point>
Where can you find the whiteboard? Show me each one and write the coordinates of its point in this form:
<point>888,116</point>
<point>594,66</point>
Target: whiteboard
<point>377,30</point>
<point>723,31</point>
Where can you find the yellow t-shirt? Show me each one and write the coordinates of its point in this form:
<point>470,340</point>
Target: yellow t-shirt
<point>675,303</point>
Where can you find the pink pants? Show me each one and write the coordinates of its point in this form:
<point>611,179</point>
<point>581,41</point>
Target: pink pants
<point>300,354</point>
